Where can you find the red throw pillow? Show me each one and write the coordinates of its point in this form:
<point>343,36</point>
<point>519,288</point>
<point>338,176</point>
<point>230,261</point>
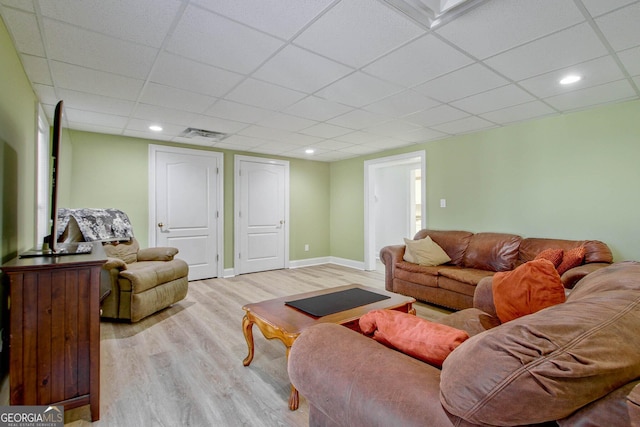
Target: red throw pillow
<point>427,341</point>
<point>553,255</point>
<point>529,288</point>
<point>571,258</point>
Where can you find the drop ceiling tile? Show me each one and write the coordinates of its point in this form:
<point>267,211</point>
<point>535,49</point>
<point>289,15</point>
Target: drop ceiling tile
<point>178,99</point>
<point>421,135</point>
<point>19,4</point>
<point>401,104</point>
<point>300,139</point>
<point>325,130</point>
<point>315,108</point>
<point>37,69</point>
<point>518,113</point>
<point>275,147</point>
<point>96,103</point>
<point>212,39</point>
<point>637,81</point>
<point>572,46</point>
<point>387,143</point>
<point>435,116</point>
<point>493,99</point>
<point>589,97</point>
<point>419,61</point>
<point>116,56</point>
<point>286,122</point>
<point>496,26</point>
<point>162,115</point>
<point>594,73</point>
<point>98,119</point>
<point>631,60</point>
<point>282,18</point>
<point>358,31</point>
<point>142,21</point>
<point>464,82</point>
<point>86,127</point>
<point>82,79</point>
<point>360,149</point>
<point>392,128</point>
<point>358,119</point>
<point>238,112</point>
<point>216,124</point>
<point>357,137</point>
<point>142,125</point>
<point>599,7</point>
<point>358,89</point>
<point>264,133</point>
<point>239,142</point>
<point>25,31</point>
<point>466,125</point>
<point>301,70</point>
<point>621,27</point>
<point>331,144</point>
<point>264,95</point>
<point>46,94</point>
<point>175,71</point>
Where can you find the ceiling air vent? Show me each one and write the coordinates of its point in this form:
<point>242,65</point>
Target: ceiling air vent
<point>203,134</point>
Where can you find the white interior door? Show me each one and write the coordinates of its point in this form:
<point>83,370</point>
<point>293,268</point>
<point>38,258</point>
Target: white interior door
<point>261,210</point>
<point>186,207</point>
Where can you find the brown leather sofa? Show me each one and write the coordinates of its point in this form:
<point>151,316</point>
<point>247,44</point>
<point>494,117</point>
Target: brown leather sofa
<point>474,257</point>
<point>572,364</point>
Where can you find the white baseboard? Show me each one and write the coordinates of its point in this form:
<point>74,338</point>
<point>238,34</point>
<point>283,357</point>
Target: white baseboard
<point>308,262</point>
<point>358,265</point>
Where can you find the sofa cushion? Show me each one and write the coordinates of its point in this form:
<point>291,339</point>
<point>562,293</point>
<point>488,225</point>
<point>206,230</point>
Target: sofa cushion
<point>126,251</point>
<point>553,255</point>
<point>470,276</point>
<point>560,359</point>
<point>492,251</point>
<point>527,289</point>
<point>419,338</point>
<point>571,258</point>
<point>424,252</point>
<point>453,242</point>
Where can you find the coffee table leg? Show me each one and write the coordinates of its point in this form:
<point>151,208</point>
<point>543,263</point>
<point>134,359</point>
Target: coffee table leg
<point>294,398</point>
<point>247,327</point>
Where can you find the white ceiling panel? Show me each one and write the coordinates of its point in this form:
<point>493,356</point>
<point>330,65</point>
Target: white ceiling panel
<point>559,50</point>
<point>358,89</point>
<point>594,73</point>
<point>621,27</point>
<point>585,98</point>
<point>465,82</point>
<point>142,21</point>
<point>351,76</point>
<point>500,25</point>
<point>172,70</point>
<point>271,96</point>
<point>419,61</point>
<point>282,18</point>
<point>493,99</point>
<point>301,70</point>
<point>212,39</point>
<point>355,32</point>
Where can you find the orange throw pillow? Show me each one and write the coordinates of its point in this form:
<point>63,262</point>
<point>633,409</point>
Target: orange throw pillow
<point>553,255</point>
<point>571,258</point>
<point>527,289</point>
<point>427,341</point>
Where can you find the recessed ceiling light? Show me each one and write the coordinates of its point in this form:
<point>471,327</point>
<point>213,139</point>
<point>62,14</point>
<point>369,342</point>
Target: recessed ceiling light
<point>309,151</point>
<point>155,128</point>
<point>572,78</point>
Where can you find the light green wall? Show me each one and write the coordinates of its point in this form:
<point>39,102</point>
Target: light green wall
<point>112,171</point>
<point>574,176</point>
<point>17,152</point>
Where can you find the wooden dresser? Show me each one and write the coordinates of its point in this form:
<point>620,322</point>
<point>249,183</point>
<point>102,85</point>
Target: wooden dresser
<point>55,330</point>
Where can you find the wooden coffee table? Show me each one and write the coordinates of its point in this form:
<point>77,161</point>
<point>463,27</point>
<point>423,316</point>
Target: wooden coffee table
<point>277,320</point>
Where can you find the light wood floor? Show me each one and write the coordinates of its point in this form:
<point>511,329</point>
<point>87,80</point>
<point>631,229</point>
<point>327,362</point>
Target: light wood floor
<point>183,366</point>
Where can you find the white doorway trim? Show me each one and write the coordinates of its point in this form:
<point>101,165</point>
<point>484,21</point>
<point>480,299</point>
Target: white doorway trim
<point>369,195</point>
<point>153,152</point>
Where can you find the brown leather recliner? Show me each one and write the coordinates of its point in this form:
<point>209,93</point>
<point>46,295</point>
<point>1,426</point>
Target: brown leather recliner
<point>143,281</point>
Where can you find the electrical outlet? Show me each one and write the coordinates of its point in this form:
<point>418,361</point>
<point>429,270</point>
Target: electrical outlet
<point>443,203</point>
<point>306,248</point>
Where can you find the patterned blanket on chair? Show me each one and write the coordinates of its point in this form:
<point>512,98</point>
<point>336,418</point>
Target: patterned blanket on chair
<point>95,224</point>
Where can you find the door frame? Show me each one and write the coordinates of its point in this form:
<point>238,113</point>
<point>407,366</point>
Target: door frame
<point>153,152</point>
<point>236,204</point>
<point>369,196</point>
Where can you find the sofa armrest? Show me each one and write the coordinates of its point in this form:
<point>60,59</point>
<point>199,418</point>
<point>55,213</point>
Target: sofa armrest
<point>483,296</point>
<point>114,263</point>
<point>573,275</point>
<point>389,255</point>
<point>157,254</point>
<point>354,380</point>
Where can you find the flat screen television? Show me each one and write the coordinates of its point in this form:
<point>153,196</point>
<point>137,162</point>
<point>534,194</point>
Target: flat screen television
<point>51,246</point>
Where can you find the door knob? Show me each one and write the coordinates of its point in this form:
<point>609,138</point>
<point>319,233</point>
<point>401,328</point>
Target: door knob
<point>160,224</point>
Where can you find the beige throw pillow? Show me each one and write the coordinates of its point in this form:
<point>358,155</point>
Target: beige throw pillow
<point>424,252</point>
